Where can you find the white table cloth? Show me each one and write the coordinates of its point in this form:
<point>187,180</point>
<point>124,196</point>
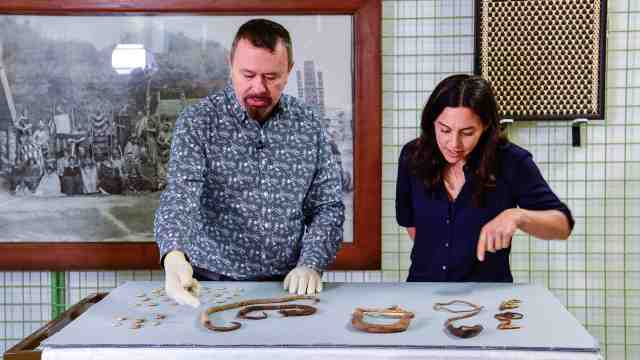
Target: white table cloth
<point>549,330</point>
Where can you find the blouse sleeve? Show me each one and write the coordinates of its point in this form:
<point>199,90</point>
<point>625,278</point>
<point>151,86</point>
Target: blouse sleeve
<point>404,204</point>
<point>533,192</point>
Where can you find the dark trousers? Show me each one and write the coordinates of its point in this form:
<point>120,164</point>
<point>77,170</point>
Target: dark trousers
<point>206,275</point>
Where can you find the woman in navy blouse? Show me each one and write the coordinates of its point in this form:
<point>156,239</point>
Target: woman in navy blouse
<point>463,189</point>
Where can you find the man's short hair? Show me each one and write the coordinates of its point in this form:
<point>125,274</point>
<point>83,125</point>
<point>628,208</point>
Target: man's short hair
<point>264,34</point>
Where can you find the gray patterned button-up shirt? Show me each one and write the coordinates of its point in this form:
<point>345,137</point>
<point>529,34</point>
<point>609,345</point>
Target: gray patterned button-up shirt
<point>246,200</point>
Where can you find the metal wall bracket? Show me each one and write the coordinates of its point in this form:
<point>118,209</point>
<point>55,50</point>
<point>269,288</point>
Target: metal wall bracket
<point>575,131</point>
<point>504,123</point>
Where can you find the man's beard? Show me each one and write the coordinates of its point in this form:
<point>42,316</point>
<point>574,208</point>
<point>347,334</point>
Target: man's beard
<point>258,112</point>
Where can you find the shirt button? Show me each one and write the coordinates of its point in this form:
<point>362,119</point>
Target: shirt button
<point>444,267</point>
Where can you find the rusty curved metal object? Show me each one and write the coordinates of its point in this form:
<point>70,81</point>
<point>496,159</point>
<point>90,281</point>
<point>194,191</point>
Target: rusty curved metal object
<point>285,310</point>
<point>508,316</point>
<point>507,325</point>
<point>234,325</point>
<point>505,320</point>
<point>510,304</point>
<point>404,320</point>
<point>463,331</point>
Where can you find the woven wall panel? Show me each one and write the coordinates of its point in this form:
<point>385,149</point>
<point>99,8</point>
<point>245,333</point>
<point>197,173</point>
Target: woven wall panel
<point>545,58</point>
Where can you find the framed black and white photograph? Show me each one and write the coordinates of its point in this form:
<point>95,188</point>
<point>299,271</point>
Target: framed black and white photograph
<point>89,99</point>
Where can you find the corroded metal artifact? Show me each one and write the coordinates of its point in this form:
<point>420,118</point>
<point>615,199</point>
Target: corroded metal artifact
<point>505,320</point>
<point>510,304</point>
<point>464,331</point>
<point>285,310</point>
<point>206,322</point>
<point>404,319</point>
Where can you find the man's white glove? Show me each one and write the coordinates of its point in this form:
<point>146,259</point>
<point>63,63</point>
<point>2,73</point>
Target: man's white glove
<point>303,280</point>
<point>179,282</point>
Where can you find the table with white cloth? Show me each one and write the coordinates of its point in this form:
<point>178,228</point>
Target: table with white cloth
<point>548,330</point>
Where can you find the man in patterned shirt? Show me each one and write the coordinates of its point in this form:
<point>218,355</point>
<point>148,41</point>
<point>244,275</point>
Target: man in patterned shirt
<point>254,191</point>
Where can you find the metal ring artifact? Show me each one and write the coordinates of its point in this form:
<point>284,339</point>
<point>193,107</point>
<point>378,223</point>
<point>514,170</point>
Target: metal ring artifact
<point>206,322</point>
<point>505,320</point>
<point>404,320</point>
<point>508,316</point>
<point>464,331</point>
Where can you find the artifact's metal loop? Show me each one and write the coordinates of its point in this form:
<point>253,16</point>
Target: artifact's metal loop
<point>463,331</point>
<point>285,310</point>
<point>209,325</point>
<point>444,306</point>
<point>507,325</point>
<point>204,316</point>
<point>508,316</point>
<point>404,316</point>
<point>505,320</point>
<point>510,304</point>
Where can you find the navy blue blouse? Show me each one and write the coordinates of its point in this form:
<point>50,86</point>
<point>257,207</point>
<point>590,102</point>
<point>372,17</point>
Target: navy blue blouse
<point>447,231</point>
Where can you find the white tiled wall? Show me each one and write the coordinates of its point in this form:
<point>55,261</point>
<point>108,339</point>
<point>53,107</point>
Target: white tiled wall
<point>595,273</point>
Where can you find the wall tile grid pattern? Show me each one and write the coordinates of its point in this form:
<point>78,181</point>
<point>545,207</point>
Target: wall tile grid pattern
<point>596,274</point>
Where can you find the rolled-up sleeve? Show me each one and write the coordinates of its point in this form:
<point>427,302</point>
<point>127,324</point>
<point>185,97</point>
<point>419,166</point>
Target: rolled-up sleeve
<point>324,209</point>
<point>533,192</point>
<point>404,204</point>
<point>178,214</point>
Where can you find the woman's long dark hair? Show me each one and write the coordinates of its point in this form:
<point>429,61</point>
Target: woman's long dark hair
<point>427,162</point>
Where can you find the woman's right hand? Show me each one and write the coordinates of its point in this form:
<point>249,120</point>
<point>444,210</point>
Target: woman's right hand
<point>497,233</point>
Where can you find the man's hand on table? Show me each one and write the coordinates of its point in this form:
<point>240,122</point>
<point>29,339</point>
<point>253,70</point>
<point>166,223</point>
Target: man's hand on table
<point>303,280</point>
<point>179,282</point>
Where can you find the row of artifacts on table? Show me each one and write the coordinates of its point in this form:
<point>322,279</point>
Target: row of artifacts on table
<point>287,307</point>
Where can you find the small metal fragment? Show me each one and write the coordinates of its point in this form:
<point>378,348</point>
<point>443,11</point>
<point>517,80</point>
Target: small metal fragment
<point>510,304</point>
<point>507,325</point>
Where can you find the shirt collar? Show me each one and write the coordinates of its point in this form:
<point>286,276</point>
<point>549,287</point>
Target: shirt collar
<point>234,105</point>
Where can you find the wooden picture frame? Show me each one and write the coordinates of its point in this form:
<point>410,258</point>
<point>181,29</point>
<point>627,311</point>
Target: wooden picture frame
<point>362,253</point>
